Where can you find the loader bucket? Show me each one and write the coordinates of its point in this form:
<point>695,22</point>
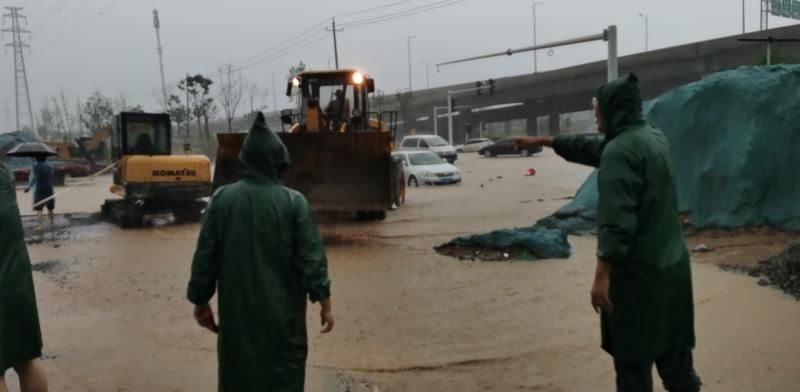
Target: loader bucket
<point>226,167</point>
<point>336,172</point>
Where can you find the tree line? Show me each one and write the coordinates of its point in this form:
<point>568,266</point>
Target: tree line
<point>194,102</point>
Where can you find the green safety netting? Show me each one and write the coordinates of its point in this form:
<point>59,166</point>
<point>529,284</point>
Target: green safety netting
<point>735,141</point>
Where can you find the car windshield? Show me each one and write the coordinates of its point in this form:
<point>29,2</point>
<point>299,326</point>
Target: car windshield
<point>436,142</point>
<point>426,158</point>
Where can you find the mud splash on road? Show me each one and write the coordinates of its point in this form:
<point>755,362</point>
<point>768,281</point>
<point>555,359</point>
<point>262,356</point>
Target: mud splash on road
<point>65,227</point>
<point>61,272</point>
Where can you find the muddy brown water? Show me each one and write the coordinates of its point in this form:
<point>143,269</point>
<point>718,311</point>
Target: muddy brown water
<point>407,318</point>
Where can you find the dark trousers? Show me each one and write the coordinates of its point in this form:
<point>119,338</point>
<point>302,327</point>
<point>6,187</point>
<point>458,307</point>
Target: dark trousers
<point>676,369</point>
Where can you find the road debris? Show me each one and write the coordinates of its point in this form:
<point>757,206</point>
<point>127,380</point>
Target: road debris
<point>702,248</point>
<point>781,271</point>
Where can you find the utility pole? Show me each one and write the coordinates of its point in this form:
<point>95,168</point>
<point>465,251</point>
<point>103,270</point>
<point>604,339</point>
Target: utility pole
<point>23,95</point>
<point>274,94</point>
<point>427,73</point>
<point>646,31</point>
<point>157,26</point>
<point>335,44</point>
<point>765,10</point>
<point>535,58</point>
<point>188,109</point>
<point>409,38</point>
<point>743,13</point>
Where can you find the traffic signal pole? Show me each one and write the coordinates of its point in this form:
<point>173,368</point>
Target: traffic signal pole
<point>450,107</point>
<point>609,35</point>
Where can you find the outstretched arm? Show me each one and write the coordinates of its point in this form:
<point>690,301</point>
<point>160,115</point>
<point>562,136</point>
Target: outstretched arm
<point>582,148</point>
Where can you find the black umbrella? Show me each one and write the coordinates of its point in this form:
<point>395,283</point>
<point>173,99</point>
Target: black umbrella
<point>31,149</point>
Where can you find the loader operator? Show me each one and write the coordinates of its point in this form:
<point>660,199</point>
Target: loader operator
<point>315,119</point>
<point>338,111</point>
<point>260,249</point>
<point>643,279</point>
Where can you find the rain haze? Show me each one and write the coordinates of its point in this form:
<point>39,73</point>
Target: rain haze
<point>78,46</point>
<point>476,227</point>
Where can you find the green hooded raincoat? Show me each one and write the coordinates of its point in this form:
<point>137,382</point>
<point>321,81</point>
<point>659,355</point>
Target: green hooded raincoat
<point>639,231</point>
<point>261,250</point>
<point>20,335</point>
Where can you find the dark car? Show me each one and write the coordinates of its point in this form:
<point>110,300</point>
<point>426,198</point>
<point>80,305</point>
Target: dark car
<point>506,147</point>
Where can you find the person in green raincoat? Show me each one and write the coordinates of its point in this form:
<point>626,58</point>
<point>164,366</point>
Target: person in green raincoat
<point>20,334</point>
<point>261,251</point>
<point>643,280</point>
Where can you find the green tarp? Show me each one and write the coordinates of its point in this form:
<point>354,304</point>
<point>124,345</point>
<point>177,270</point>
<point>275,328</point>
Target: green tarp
<point>734,137</point>
<point>734,140</point>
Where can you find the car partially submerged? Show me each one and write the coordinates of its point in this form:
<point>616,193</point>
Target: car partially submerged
<point>426,167</point>
<point>506,146</point>
<point>473,145</point>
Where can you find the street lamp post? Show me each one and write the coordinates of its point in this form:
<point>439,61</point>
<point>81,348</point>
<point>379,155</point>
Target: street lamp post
<point>409,59</point>
<point>535,59</point>
<point>646,31</point>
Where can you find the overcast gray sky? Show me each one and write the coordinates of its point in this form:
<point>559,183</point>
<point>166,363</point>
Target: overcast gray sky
<point>81,45</point>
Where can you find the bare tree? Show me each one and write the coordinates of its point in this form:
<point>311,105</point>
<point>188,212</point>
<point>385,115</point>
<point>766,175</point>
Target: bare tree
<point>231,91</point>
<point>257,99</point>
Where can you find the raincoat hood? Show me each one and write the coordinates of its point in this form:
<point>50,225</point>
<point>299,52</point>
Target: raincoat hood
<point>263,157</point>
<point>620,104</point>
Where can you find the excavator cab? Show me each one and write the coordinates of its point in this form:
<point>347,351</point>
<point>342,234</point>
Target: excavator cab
<point>150,179</point>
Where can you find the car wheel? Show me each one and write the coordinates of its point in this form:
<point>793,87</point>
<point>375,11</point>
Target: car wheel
<point>459,151</point>
<point>524,152</point>
<point>487,154</point>
<point>412,181</point>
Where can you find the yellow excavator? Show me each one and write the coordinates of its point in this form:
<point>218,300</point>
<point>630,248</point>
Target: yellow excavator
<point>340,148</point>
<point>149,178</point>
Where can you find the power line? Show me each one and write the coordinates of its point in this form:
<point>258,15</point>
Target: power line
<point>63,15</point>
<point>374,8</point>
<point>282,54</point>
<point>402,14</point>
<point>316,28</point>
<point>90,18</point>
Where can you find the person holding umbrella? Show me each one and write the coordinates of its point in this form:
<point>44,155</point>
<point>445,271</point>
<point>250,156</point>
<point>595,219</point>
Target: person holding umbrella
<point>40,178</point>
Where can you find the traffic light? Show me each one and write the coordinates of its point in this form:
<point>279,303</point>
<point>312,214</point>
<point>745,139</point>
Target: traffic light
<point>491,86</point>
<point>479,88</point>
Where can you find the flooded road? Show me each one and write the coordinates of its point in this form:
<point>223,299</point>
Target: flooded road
<point>115,318</point>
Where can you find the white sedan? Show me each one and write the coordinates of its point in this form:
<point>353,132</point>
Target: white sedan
<point>473,145</point>
<point>425,167</point>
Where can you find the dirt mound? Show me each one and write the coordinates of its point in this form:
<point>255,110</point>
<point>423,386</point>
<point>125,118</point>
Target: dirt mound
<point>781,271</point>
<point>477,253</point>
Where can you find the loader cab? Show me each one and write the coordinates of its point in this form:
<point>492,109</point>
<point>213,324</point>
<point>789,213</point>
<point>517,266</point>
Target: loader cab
<point>334,101</point>
<point>141,134</point>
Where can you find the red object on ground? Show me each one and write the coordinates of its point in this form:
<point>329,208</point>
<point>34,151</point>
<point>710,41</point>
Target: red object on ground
<point>531,172</point>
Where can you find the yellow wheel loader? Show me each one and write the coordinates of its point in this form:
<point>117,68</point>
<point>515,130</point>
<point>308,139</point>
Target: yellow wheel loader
<point>340,150</point>
<point>150,179</point>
